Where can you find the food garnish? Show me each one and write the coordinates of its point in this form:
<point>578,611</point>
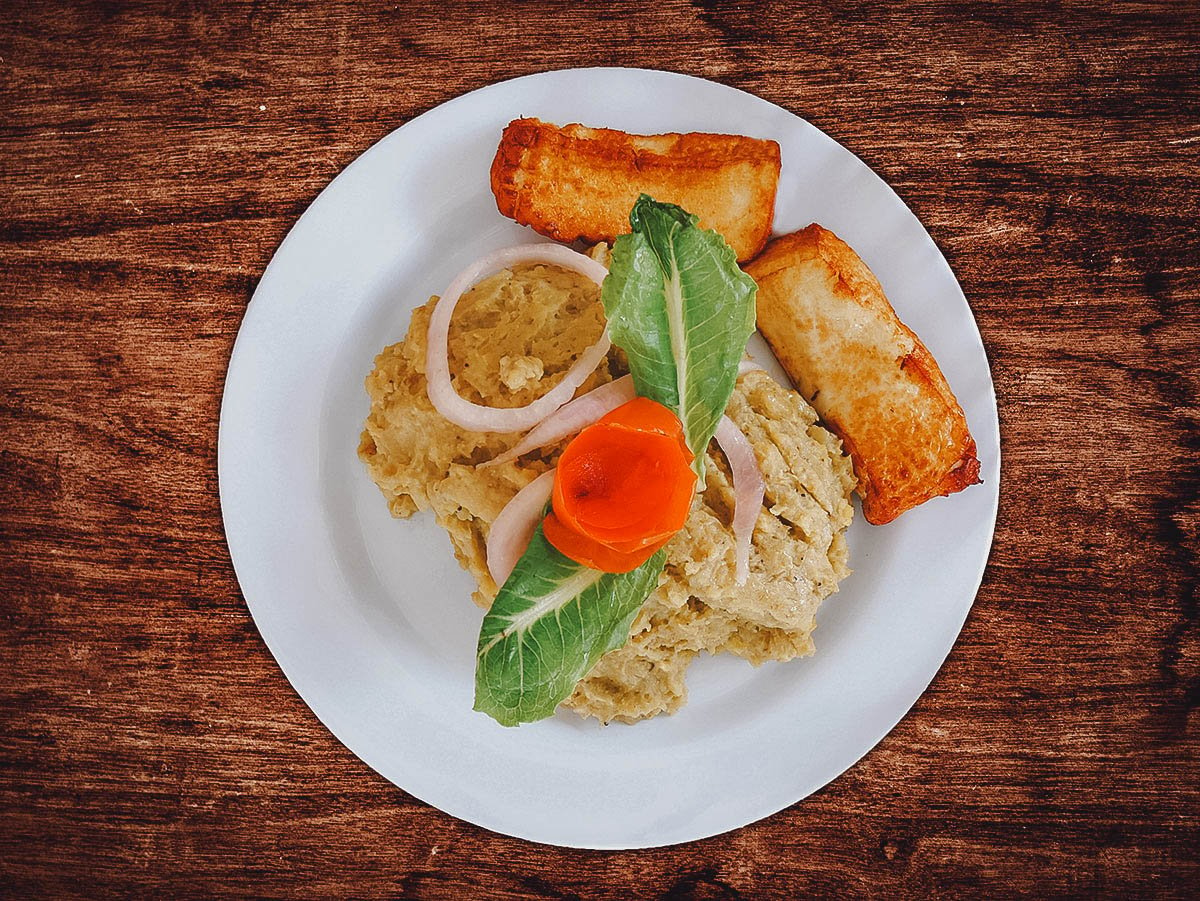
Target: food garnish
<point>577,183</point>
<point>513,528</point>
<point>623,488</point>
<point>479,418</point>
<point>570,418</point>
<point>682,311</point>
<point>550,623</point>
<point>748,487</point>
<point>748,483</point>
<point>869,376</point>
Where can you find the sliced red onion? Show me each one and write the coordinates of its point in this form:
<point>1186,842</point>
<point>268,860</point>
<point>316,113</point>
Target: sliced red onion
<point>748,490</point>
<point>479,418</point>
<point>571,418</point>
<point>582,412</point>
<point>510,533</point>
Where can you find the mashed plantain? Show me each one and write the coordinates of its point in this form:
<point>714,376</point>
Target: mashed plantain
<point>512,338</point>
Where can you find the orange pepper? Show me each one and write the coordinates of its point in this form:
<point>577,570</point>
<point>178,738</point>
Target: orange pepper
<point>623,488</point>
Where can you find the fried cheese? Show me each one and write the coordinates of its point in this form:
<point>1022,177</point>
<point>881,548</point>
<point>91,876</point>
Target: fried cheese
<point>575,183</point>
<point>870,378</point>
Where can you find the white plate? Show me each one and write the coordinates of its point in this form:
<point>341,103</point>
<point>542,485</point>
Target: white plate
<point>370,617</point>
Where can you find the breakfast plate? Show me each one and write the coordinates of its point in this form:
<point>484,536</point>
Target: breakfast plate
<point>370,617</point>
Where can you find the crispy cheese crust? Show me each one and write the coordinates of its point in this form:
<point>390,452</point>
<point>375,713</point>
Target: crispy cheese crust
<point>575,183</point>
<point>871,379</point>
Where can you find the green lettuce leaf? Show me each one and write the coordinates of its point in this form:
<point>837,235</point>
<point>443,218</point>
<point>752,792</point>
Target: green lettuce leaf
<point>550,623</point>
<point>682,311</point>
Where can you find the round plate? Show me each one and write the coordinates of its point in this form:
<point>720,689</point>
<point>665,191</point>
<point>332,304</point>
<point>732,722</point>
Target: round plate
<point>370,617</point>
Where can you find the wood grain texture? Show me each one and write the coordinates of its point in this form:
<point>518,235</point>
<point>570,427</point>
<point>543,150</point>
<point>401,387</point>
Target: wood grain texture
<point>153,156</point>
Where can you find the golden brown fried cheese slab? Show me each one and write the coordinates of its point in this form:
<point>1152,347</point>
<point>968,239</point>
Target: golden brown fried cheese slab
<point>575,183</point>
<point>869,377</point>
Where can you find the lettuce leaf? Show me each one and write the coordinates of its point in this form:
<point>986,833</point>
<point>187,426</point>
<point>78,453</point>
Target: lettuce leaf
<point>682,311</point>
<point>550,623</point>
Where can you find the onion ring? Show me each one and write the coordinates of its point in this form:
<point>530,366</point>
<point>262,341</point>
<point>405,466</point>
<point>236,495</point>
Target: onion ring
<point>479,418</point>
<point>570,418</point>
<point>582,412</point>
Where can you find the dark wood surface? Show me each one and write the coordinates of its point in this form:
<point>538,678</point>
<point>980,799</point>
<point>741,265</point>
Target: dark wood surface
<point>153,157</point>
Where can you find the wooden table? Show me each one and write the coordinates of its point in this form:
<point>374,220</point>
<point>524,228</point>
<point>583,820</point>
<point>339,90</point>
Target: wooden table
<point>154,157</point>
